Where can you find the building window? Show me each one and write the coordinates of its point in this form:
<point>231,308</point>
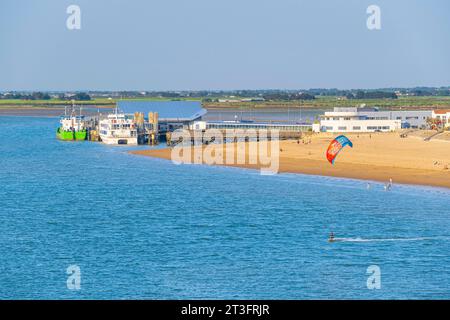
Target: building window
<point>357,128</point>
<point>342,128</point>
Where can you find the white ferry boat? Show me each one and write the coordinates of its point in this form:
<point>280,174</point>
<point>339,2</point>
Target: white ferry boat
<point>118,128</point>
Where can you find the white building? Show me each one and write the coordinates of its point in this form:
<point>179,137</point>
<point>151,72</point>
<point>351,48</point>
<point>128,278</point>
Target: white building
<point>443,115</point>
<point>410,118</point>
<point>351,120</point>
<point>197,125</point>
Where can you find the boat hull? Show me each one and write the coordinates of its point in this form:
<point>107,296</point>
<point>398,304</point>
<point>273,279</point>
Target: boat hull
<point>119,141</point>
<point>71,135</point>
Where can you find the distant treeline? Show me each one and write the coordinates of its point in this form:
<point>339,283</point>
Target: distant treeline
<point>381,93</point>
<point>371,95</point>
<point>23,96</point>
<point>425,92</point>
<point>79,96</point>
<point>214,95</point>
<point>288,96</point>
<point>276,94</point>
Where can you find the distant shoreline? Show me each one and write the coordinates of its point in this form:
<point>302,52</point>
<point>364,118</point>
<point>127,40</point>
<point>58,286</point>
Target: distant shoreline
<point>45,112</point>
<point>425,165</point>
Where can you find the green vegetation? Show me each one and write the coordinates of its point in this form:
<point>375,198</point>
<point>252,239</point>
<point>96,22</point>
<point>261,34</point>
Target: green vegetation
<point>371,95</point>
<point>15,102</point>
<point>389,98</point>
<point>326,102</point>
<point>289,96</point>
<point>320,102</point>
<point>60,102</point>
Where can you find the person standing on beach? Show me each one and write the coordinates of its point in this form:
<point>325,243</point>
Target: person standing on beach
<point>388,186</point>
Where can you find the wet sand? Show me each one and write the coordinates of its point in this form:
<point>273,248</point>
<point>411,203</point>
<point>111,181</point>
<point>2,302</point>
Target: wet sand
<point>378,157</point>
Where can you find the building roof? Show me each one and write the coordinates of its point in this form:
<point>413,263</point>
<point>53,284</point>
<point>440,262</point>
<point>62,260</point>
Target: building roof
<point>442,111</point>
<point>167,110</point>
<point>251,123</point>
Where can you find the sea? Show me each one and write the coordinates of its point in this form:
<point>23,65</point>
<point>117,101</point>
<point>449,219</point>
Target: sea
<point>83,220</point>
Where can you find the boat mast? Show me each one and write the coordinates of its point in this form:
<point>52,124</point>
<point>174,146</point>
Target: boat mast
<point>73,108</point>
<point>74,116</point>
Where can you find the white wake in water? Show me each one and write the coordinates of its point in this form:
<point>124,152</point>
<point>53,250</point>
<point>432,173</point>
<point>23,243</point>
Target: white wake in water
<point>388,239</point>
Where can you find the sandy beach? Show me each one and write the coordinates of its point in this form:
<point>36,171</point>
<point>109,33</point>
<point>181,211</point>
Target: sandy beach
<point>378,157</point>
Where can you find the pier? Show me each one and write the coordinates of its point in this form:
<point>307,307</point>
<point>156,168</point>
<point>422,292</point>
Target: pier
<point>197,137</point>
<point>147,122</point>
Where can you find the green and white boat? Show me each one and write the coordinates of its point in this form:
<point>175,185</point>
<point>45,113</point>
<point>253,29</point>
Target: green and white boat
<point>72,128</point>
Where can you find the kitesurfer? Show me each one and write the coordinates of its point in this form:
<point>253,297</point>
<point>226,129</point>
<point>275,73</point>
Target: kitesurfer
<point>331,237</point>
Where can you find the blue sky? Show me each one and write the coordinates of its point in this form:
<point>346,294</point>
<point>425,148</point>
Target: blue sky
<point>223,44</point>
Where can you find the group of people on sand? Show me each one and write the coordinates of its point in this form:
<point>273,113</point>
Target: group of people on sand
<point>370,136</point>
<point>305,141</point>
<point>445,166</point>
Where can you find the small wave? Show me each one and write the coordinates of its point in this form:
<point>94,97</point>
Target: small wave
<point>388,239</point>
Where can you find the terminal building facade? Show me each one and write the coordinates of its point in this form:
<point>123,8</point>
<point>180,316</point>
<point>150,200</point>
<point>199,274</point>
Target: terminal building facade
<point>370,120</point>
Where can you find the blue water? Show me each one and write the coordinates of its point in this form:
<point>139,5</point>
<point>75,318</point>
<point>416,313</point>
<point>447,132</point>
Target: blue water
<point>145,228</point>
